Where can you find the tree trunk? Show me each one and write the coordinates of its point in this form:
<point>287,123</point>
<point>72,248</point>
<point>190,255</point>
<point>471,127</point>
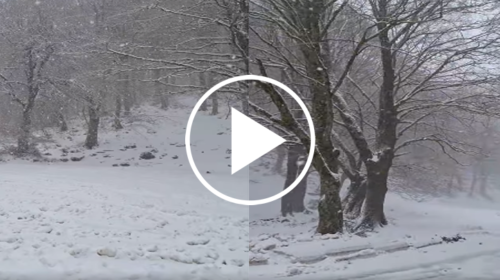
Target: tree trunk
<point>126,94</point>
<point>118,110</point>
<point>330,207</point>
<point>376,188</point>
<point>278,166</point>
<point>93,127</point>
<point>127,98</point>
<point>483,183</point>
<point>215,104</point>
<point>127,103</point>
<point>23,141</point>
<point>293,202</point>
<point>63,125</point>
<point>163,101</point>
<point>159,90</point>
<point>203,84</point>
<point>473,183</point>
<point>353,202</point>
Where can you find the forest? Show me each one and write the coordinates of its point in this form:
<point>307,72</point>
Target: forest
<point>404,94</point>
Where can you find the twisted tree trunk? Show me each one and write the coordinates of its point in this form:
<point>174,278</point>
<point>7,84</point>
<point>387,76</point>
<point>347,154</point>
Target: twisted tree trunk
<point>91,140</point>
<point>293,202</point>
<point>353,202</point>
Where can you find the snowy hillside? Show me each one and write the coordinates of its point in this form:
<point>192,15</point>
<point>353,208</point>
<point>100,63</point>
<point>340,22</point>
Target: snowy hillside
<point>107,214</point>
<point>133,209</point>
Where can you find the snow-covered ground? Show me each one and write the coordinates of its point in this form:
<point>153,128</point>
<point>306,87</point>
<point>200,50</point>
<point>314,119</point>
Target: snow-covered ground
<point>106,214</point>
<point>112,215</point>
<point>411,247</point>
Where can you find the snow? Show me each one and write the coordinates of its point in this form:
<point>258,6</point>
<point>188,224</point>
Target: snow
<point>150,220</point>
<point>115,216</point>
<point>411,247</point>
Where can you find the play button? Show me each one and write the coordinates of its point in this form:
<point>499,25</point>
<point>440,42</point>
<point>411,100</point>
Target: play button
<point>249,141</point>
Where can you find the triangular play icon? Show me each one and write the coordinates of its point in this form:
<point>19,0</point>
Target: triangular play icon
<point>249,140</point>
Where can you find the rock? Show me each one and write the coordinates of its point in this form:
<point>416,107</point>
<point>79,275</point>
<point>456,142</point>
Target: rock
<point>152,249</point>
<point>258,259</point>
<point>238,263</point>
<point>77,158</point>
<point>198,242</point>
<point>270,247</point>
<point>115,165</point>
<point>133,146</point>
<point>293,271</point>
<point>45,229</point>
<point>452,239</point>
<point>47,154</point>
<point>175,157</point>
<point>107,252</point>
<point>125,164</point>
<point>64,160</point>
<point>147,155</point>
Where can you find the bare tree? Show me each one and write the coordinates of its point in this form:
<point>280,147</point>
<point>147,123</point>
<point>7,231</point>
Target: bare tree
<point>307,24</point>
<point>33,44</point>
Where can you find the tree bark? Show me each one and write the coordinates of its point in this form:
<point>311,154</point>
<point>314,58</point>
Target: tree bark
<point>63,125</point>
<point>203,84</point>
<point>353,202</point>
<point>163,101</point>
<point>118,110</point>
<point>23,141</point>
<point>377,174</point>
<point>278,166</point>
<point>93,127</point>
<point>330,207</point>
<point>126,94</point>
<point>293,202</point>
<point>159,90</point>
<point>215,104</point>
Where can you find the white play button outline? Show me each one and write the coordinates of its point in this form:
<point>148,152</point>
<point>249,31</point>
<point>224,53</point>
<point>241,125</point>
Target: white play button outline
<point>244,157</point>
